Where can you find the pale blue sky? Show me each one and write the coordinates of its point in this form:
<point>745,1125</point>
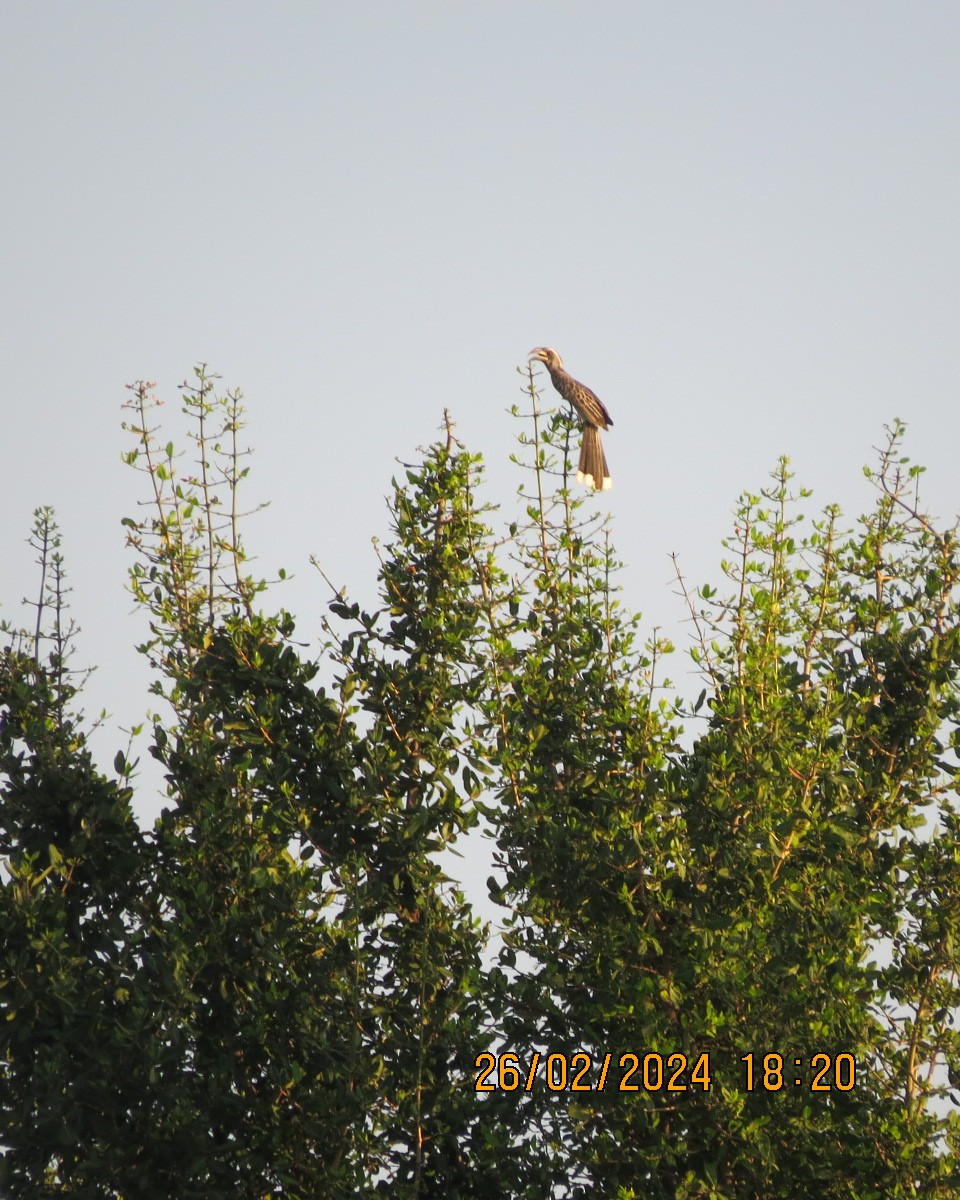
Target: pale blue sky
<point>738,222</point>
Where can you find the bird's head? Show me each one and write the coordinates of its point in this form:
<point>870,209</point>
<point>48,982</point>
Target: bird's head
<point>550,358</point>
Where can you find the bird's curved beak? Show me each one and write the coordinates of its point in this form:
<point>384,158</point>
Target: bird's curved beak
<point>534,353</point>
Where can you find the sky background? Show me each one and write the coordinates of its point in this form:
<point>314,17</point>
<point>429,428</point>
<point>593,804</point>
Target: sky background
<point>737,222</point>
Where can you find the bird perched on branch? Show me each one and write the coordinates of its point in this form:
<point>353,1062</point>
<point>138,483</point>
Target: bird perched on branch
<point>593,471</point>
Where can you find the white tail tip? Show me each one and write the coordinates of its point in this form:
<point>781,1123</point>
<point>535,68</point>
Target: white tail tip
<point>587,481</point>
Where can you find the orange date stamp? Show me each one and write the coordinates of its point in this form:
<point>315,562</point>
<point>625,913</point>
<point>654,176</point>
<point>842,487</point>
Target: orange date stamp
<point>653,1072</point>
<point>582,1072</point>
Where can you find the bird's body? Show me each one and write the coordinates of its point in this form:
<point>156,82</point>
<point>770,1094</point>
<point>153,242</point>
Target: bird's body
<point>593,471</point>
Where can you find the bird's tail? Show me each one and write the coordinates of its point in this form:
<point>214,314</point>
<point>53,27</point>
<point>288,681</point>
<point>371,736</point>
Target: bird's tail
<point>593,471</point>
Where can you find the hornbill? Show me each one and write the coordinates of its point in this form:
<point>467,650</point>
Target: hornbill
<point>592,471</point>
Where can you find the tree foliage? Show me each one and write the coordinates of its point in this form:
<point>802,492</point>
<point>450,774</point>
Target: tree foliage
<point>279,991</point>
